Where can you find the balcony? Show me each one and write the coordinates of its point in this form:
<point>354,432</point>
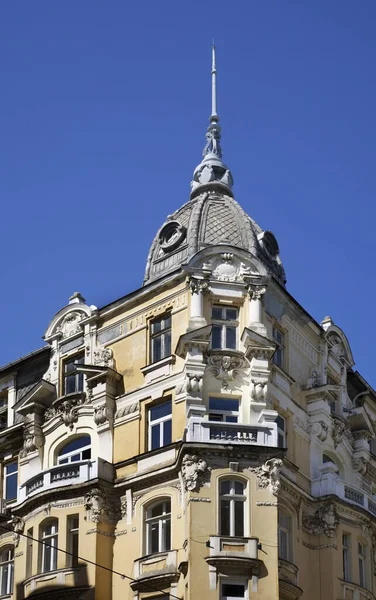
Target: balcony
<point>330,483</point>
<point>62,475</point>
<point>264,434</point>
<point>235,557</point>
<point>157,570</point>
<point>352,591</point>
<point>288,580</point>
<point>69,578</point>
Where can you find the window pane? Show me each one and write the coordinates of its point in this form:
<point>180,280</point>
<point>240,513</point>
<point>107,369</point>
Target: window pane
<point>231,337</point>
<point>239,518</point>
<point>156,325</point>
<point>70,384</point>
<point>86,454</point>
<point>216,417</point>
<point>167,432</point>
<point>47,558</point>
<point>69,366</point>
<point>231,314</point>
<point>157,510</point>
<point>167,344</point>
<point>217,313</point>
<point>225,487</point>
<point>11,487</point>
<point>239,488</point>
<point>75,444</point>
<point>155,437</point>
<point>167,322</point>
<point>233,590</point>
<point>11,467</point>
<point>225,404</point>
<point>167,540</point>
<point>283,544</point>
<point>225,517</point>
<point>79,382</point>
<point>161,410</point>
<point>231,419</point>
<point>154,537</point>
<point>216,336</point>
<point>156,344</point>
<point>280,423</point>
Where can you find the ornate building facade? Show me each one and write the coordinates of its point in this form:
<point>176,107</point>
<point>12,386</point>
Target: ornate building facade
<point>201,437</point>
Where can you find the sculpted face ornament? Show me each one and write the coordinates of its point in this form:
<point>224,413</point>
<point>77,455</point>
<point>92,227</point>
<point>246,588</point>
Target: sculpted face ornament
<point>171,236</point>
<point>194,471</point>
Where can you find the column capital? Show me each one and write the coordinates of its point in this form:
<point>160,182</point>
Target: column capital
<point>256,292</point>
<point>197,285</point>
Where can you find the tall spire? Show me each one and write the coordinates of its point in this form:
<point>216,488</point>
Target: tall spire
<point>212,172</point>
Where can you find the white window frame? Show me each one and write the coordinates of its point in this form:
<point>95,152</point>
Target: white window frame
<point>6,571</point>
<point>224,324</point>
<point>164,544</point>
<point>287,531</point>
<point>281,431</point>
<point>346,556</point>
<point>224,413</point>
<point>165,335</point>
<point>232,497</point>
<point>279,354</point>
<point>50,539</point>
<point>362,564</point>
<point>7,476</point>
<point>242,582</point>
<point>73,529</point>
<point>158,421</point>
<point>79,377</point>
<point>69,455</point>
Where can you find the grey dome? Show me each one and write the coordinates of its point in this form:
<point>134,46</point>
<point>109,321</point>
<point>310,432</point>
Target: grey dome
<point>209,219</point>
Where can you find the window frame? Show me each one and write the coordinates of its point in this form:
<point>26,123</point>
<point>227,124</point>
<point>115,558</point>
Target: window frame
<point>54,538</point>
<point>281,346</point>
<point>4,409</point>
<point>73,540</point>
<point>224,324</point>
<point>161,423</point>
<point>281,431</point>
<point>7,476</point>
<point>7,569</point>
<point>288,532</point>
<point>79,377</point>
<point>232,497</point>
<point>67,457</point>
<point>231,414</point>
<point>164,530</point>
<point>346,557</point>
<point>165,336</point>
<point>362,564</point>
<point>240,582</point>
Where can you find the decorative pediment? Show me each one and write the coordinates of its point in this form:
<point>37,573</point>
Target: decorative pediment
<point>226,263</point>
<point>68,321</point>
<point>197,338</point>
<point>337,342</point>
<point>256,345</point>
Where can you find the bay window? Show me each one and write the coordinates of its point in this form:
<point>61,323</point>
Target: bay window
<point>224,330</point>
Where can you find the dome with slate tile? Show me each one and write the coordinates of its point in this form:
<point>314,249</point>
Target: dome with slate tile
<point>211,217</point>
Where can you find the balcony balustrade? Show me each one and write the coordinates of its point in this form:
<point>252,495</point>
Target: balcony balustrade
<point>62,475</point>
<point>158,570</point>
<point>234,557</point>
<point>200,430</point>
<point>71,578</point>
<point>330,483</point>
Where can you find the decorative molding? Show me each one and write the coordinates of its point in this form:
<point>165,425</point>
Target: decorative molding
<point>70,324</point>
<point>320,429</point>
<point>198,286</point>
<point>225,365</point>
<point>261,503</point>
<point>341,430</point>
<point>193,383</point>
<point>104,357</point>
<point>99,507</point>
<point>268,475</point>
<point>320,547</point>
<point>18,527</point>
<point>199,500</point>
<point>324,521</point>
<point>194,471</point>
<point>256,292</point>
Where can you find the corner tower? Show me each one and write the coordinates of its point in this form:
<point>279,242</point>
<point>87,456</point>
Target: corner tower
<point>211,216</point>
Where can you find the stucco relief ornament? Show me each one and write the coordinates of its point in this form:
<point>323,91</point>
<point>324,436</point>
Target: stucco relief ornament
<point>320,429</point>
<point>324,521</point>
<point>268,475</point>
<point>194,471</point>
<point>102,414</point>
<point>256,292</point>
<point>225,367</point>
<point>33,439</point>
<point>338,431</point>
<point>103,357</point>
<point>18,527</point>
<point>360,465</point>
<point>198,285</point>
<point>95,502</point>
<point>70,324</point>
<point>194,383</point>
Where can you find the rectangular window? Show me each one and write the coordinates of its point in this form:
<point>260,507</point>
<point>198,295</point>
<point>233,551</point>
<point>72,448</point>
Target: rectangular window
<point>231,590</point>
<point>284,535</point>
<point>281,430</point>
<point>10,480</point>
<point>346,556</point>
<point>160,338</point>
<point>232,500</point>
<point>160,425</point>
<point>3,410</point>
<point>224,331</point>
<point>278,337</point>
<point>29,553</point>
<point>73,528</point>
<point>362,564</point>
<point>73,381</point>
<point>224,410</point>
<point>49,546</point>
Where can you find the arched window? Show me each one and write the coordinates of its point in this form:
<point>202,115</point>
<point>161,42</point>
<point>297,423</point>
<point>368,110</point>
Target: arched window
<point>49,537</point>
<point>78,449</point>
<point>284,534</point>
<point>6,571</point>
<point>158,527</point>
<point>231,507</point>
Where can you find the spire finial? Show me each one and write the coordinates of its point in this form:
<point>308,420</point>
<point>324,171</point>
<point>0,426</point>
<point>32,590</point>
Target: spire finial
<point>214,116</point>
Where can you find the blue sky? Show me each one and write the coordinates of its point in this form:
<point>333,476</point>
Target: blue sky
<point>103,113</point>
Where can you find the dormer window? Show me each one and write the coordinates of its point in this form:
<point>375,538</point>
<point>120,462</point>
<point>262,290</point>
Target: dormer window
<point>224,332</point>
<point>73,381</point>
